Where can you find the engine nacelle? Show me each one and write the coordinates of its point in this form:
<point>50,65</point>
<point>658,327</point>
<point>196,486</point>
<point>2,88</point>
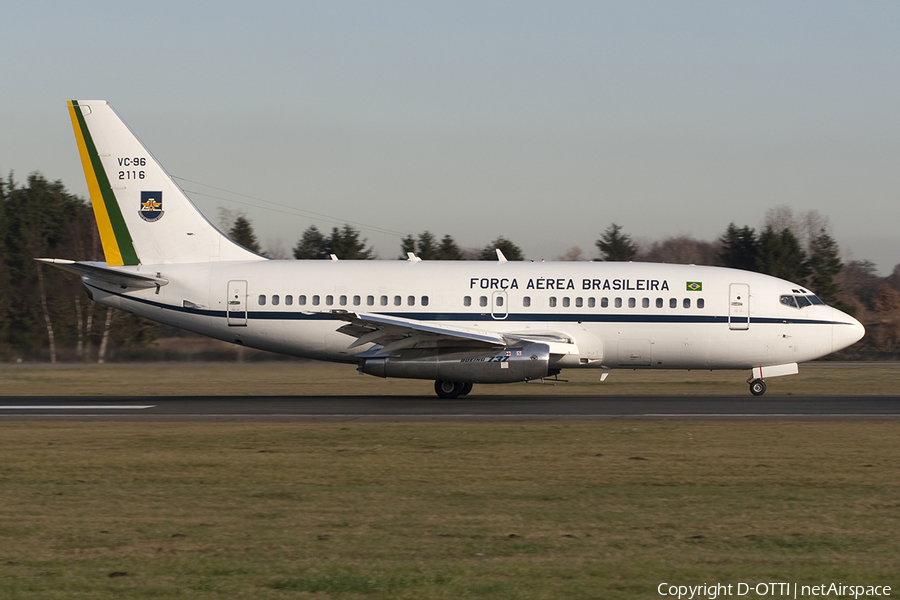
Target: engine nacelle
<point>515,363</point>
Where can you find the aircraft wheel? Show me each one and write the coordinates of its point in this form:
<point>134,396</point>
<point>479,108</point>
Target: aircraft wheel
<point>466,388</point>
<point>448,389</point>
<point>757,387</point>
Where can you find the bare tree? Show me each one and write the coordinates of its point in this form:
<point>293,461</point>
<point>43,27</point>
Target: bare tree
<point>79,329</point>
<point>43,292</point>
<point>275,248</point>
<point>682,249</point>
<point>780,218</point>
<point>573,253</point>
<point>104,341</point>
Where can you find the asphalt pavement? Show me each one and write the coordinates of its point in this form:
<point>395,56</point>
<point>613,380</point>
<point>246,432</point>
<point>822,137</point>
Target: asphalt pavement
<point>472,408</point>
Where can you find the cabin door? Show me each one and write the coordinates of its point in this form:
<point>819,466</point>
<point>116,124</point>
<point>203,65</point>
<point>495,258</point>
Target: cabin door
<point>236,304</point>
<point>739,306</point>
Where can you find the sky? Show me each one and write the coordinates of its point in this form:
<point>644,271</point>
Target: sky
<point>541,122</point>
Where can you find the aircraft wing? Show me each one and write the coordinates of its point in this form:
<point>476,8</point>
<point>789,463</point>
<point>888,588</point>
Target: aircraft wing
<point>394,333</point>
<point>102,272</point>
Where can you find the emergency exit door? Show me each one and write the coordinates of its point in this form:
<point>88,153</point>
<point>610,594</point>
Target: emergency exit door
<point>739,306</point>
<point>236,304</point>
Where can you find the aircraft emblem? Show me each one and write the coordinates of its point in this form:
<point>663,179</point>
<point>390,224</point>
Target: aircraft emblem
<point>151,206</point>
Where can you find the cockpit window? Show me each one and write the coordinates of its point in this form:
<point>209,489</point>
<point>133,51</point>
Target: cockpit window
<point>789,301</point>
<point>799,301</point>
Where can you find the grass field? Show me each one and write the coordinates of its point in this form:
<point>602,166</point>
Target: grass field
<point>313,378</point>
<point>438,510</point>
<point>448,511</point>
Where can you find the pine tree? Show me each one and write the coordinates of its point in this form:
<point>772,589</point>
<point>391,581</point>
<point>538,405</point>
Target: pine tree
<point>448,249</point>
<point>824,265</point>
<point>739,248</point>
<point>428,248</point>
<point>242,233</point>
<point>345,243</point>
<point>509,250</point>
<point>312,245</point>
<point>780,255</point>
<point>615,245</point>
<point>407,245</point>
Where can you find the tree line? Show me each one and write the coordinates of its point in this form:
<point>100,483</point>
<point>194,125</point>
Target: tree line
<point>45,315</point>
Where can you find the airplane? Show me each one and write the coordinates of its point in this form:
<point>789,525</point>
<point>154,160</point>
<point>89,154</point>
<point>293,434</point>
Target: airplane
<point>455,322</point>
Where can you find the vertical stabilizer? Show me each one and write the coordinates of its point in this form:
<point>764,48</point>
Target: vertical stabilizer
<point>144,217</point>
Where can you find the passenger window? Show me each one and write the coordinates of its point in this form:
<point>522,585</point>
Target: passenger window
<point>467,301</point>
<point>592,303</point>
<point>276,300</point>
<point>411,300</point>
<point>604,302</point>
<point>700,303</point>
<point>687,303</point>
<point>631,303</point>
<point>618,303</point>
<point>343,300</point>
<point>398,300</point>
<point>315,300</point>
<point>370,300</point>
<point>424,300</point>
<point>384,300</point>
<point>499,300</point>
<point>301,299</point>
<point>262,299</point>
<point>526,301</point>
<point>673,303</point>
<point>552,301</point>
<point>288,300</point>
<point>579,302</point>
<point>659,303</point>
<point>566,302</point>
<point>483,301</point>
<point>645,303</point>
<point>356,300</point>
<point>329,299</point>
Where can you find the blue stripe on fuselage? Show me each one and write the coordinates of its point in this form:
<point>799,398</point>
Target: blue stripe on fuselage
<point>270,315</point>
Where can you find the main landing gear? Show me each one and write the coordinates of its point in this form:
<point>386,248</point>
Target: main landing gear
<point>757,387</point>
<point>452,389</point>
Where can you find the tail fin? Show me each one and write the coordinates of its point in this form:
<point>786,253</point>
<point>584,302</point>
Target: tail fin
<point>143,216</point>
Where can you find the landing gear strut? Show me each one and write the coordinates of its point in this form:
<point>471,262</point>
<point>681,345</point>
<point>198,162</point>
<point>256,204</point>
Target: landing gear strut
<point>757,387</point>
<point>451,389</point>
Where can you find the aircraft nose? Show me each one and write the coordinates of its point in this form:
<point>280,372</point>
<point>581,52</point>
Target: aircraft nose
<point>845,331</point>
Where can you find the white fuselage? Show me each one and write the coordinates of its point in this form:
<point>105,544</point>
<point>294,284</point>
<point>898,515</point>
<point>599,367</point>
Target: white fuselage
<point>617,315</point>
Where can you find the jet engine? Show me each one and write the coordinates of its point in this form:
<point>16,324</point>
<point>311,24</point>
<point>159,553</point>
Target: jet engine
<point>519,362</point>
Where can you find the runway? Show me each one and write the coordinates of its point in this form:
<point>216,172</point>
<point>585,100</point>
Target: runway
<point>470,409</point>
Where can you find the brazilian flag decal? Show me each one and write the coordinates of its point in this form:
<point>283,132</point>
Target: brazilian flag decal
<point>694,286</point>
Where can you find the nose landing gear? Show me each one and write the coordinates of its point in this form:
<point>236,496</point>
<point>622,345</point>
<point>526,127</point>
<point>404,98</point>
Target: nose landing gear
<point>757,387</point>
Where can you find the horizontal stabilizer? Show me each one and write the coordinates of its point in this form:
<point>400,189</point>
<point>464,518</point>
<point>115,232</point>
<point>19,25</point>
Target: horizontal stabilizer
<point>102,272</point>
